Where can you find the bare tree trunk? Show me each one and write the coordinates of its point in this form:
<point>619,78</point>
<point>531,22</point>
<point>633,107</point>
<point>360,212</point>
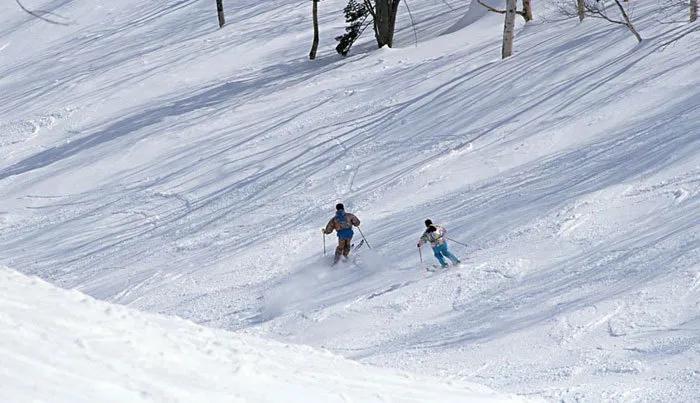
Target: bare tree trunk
<point>580,10</point>
<point>220,12</point>
<point>508,29</point>
<point>314,45</point>
<point>628,22</point>
<point>385,21</point>
<point>693,10</point>
<point>527,10</point>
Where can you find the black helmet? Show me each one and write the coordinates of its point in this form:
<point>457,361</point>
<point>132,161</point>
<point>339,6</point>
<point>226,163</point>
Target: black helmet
<point>428,222</point>
<point>339,206</point>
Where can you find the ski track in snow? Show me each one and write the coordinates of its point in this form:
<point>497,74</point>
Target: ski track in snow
<point>152,160</point>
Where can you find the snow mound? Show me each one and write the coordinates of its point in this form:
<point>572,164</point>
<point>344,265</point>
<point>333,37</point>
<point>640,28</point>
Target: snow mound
<point>474,13</point>
<point>58,345</point>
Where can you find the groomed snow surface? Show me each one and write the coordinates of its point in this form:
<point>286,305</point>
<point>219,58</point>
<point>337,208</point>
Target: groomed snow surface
<point>149,159</point>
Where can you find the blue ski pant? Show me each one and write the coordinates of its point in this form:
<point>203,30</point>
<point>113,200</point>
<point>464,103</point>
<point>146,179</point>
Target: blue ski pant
<point>441,252</point>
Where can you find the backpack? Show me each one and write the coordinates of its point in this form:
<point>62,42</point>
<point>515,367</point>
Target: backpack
<point>345,230</point>
<point>434,237</point>
<point>343,221</point>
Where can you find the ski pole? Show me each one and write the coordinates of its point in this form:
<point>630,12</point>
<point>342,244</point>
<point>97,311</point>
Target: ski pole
<point>363,237</point>
<point>420,253</point>
<point>457,242</point>
<point>324,243</point>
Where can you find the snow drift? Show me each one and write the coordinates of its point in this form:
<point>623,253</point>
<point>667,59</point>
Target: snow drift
<point>63,346</point>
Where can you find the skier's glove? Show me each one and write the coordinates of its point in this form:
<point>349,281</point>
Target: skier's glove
<point>418,245</point>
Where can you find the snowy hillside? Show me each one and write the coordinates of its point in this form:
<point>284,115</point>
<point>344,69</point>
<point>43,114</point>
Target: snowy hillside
<point>61,346</point>
<point>152,160</point>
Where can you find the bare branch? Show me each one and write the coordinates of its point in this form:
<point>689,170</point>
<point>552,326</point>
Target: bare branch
<point>41,13</point>
<point>603,16</point>
<point>565,9</point>
<point>495,10</point>
<point>628,22</point>
<point>596,9</point>
<point>368,4</point>
<point>413,24</point>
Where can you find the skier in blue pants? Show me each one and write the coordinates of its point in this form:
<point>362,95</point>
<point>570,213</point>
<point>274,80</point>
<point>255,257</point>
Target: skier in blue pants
<point>436,235</point>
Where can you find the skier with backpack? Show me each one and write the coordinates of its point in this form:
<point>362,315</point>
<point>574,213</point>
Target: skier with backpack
<point>436,235</point>
<point>342,224</point>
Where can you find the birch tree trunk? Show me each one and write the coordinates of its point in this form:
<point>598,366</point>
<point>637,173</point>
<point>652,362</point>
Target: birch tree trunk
<point>220,12</point>
<point>314,13</point>
<point>508,29</point>
<point>693,10</point>
<point>385,21</point>
<point>628,22</point>
<point>580,10</point>
<point>527,10</point>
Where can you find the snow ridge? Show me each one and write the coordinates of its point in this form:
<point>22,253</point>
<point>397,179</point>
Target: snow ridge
<point>63,346</point>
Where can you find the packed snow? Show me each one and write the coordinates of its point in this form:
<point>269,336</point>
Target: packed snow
<point>152,160</point>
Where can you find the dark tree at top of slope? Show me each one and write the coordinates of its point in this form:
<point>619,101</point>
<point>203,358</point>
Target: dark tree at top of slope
<point>385,20</point>
<point>314,18</point>
<point>220,12</point>
<point>357,12</point>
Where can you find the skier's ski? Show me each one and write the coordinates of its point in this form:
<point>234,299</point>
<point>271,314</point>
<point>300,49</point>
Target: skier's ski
<point>437,268</point>
<point>350,257</point>
<point>354,248</point>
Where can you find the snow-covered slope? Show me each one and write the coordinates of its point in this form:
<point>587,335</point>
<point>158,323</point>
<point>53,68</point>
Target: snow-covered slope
<point>63,346</point>
<point>152,160</point>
